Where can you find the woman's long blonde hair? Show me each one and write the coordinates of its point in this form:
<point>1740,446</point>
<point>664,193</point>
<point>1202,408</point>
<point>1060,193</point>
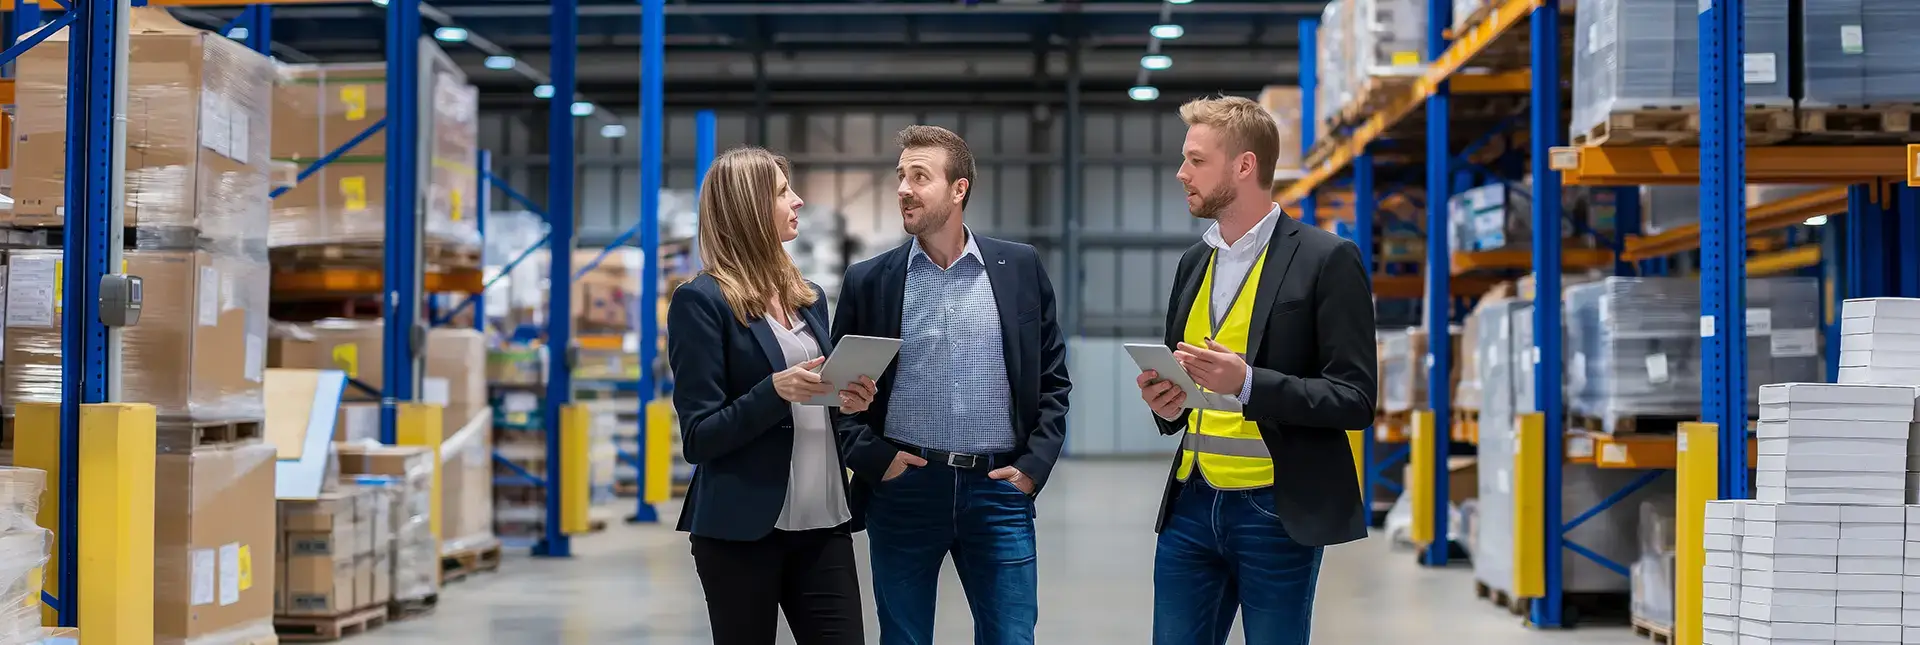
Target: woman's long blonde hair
<point>738,241</point>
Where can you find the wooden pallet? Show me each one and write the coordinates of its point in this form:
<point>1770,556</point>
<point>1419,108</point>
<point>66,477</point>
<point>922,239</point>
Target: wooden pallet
<point>1890,123</point>
<point>184,436</point>
<point>1375,94</point>
<point>1500,598</point>
<point>1652,631</point>
<point>412,608</point>
<point>437,255</point>
<point>316,629</point>
<point>457,565</point>
<point>1679,125</point>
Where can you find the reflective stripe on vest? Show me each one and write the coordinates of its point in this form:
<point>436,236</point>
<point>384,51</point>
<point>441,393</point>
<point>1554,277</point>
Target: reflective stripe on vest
<point>1228,448</point>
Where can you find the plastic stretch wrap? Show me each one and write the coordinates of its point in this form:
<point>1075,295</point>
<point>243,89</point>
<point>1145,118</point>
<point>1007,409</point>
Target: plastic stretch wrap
<point>1664,208</point>
<point>1653,573</point>
<point>466,488</point>
<point>1332,89</point>
<point>1633,55</point>
<point>198,354</point>
<point>1389,37</point>
<point>1634,344</point>
<point>318,109</point>
<point>1397,383</point>
<point>198,108</point>
<point>1463,9</point>
<point>1860,52</point>
<point>216,545</point>
<point>24,547</point>
<point>1500,216</point>
<point>1493,348</point>
<point>416,554</point>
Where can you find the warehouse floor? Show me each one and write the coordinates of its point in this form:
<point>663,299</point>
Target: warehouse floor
<point>636,585</point>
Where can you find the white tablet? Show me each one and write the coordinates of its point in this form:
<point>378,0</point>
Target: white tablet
<point>1160,359</point>
<point>854,357</point>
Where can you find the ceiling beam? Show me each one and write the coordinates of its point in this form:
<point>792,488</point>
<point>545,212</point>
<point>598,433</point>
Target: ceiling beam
<point>533,10</point>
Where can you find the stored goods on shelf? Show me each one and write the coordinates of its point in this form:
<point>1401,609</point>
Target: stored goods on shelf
<point>334,546</point>
<point>1403,375</point>
<point>1858,54</point>
<point>196,134</point>
<point>1283,103</point>
<point>1332,87</point>
<point>1636,72</point>
<point>466,487</point>
<point>454,357</point>
<point>403,475</point>
<point>198,354</point>
<point>1652,574</point>
<point>23,554</point>
<point>319,108</point>
<point>1369,50</point>
<point>217,553</point>
<point>1634,344</point>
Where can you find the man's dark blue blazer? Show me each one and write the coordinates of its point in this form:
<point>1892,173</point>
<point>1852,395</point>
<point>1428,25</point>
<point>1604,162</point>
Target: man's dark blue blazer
<point>734,428</point>
<point>870,301</point>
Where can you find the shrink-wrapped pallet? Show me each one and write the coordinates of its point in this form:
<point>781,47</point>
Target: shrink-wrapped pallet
<point>1859,52</point>
<point>1643,55</point>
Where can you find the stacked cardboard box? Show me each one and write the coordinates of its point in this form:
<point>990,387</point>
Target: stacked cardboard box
<point>1283,102</point>
<point>455,374</point>
<point>318,109</point>
<point>215,548</point>
<point>404,476</point>
<point>23,553</point>
<point>332,545</point>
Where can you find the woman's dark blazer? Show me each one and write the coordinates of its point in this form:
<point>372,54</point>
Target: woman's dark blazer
<point>734,428</point>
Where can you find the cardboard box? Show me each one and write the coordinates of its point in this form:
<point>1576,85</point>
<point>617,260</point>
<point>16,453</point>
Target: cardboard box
<point>383,578</point>
<point>320,108</point>
<point>329,526</point>
<point>455,364</point>
<point>466,487</point>
<point>196,131</point>
<point>198,353</point>
<point>363,581</point>
<point>215,547</point>
<point>319,585</point>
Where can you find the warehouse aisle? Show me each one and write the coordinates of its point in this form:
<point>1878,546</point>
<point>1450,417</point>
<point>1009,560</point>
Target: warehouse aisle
<point>636,585</point>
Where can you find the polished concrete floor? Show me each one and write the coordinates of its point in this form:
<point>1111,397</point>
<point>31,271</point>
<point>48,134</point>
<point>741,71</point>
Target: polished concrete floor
<point>636,585</point>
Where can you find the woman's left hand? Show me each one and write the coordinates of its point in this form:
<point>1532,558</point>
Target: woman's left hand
<point>857,396</point>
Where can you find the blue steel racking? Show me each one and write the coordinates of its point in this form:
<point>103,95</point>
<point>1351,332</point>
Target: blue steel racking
<point>1864,261</point>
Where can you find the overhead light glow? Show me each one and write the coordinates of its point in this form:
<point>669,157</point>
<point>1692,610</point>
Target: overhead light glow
<point>237,33</point>
<point>613,131</point>
<point>1156,61</point>
<point>1817,220</point>
<point>380,3</point>
<point>450,34</point>
<point>1179,1</point>
<point>582,108</point>
<point>1167,32</point>
<point>1144,93</point>
<point>500,62</point>
<point>543,91</point>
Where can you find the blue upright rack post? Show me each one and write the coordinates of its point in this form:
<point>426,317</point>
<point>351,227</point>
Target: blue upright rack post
<point>653,53</point>
<point>1439,283</point>
<point>96,87</point>
<point>1364,207</point>
<point>401,271</point>
<point>560,215</point>
<point>482,201</point>
<point>258,19</point>
<point>1546,133</point>
<point>1723,236</point>
<point>23,20</point>
<point>1309,82</point>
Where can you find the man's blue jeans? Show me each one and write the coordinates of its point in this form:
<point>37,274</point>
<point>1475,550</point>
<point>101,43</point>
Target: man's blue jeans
<point>1224,551</point>
<point>915,520</point>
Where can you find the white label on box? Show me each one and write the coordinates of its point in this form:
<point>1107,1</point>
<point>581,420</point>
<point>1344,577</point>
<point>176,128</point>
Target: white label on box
<point>229,294</point>
<point>30,286</point>
<point>1706,326</point>
<point>1657,369</point>
<point>1580,447</point>
<point>1613,453</point>
<point>201,590</point>
<point>256,358</point>
<point>1758,69</point>
<point>434,390</point>
<point>240,134</point>
<point>214,115</point>
<point>209,290</point>
<point>1796,343</point>
<point>1759,321</point>
<point>519,402</point>
<point>1852,40</point>
<point>229,573</point>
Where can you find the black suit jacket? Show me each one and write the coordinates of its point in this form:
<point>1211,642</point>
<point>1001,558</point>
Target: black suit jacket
<point>1311,349</point>
<point>734,428</point>
<point>870,301</point>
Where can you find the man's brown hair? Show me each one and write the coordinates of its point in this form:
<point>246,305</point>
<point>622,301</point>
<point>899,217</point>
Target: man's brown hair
<point>1243,125</point>
<point>959,157</point>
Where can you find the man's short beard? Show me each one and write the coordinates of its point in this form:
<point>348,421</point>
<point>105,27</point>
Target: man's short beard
<point>932,218</point>
<point>1215,203</point>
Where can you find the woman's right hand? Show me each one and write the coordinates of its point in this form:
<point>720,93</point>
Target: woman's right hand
<point>800,383</point>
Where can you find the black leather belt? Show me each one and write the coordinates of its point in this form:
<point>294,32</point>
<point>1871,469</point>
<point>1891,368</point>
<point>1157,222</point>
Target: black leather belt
<point>962,461</point>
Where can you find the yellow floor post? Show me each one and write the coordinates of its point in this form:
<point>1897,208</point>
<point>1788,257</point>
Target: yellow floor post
<point>1697,480</point>
<point>36,444</point>
<point>1529,505</point>
<point>1420,480</point>
<point>658,485</point>
<point>116,523</point>
<point>419,424</point>
<point>576,460</point>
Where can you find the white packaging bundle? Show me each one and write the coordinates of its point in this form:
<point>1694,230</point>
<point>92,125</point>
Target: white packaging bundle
<point>1880,341</point>
<point>1824,443</point>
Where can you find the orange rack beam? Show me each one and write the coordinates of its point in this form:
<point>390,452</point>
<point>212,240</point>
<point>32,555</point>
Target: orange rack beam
<point>368,282</point>
<point>1522,260</point>
<point>1415,286</point>
<point>1760,218</point>
<point>1679,166</point>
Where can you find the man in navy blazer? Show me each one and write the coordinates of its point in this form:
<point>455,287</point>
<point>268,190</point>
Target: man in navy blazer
<point>968,421</point>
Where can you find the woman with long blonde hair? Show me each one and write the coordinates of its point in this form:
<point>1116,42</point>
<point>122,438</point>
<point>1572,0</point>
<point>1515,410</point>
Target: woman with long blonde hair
<point>768,503</point>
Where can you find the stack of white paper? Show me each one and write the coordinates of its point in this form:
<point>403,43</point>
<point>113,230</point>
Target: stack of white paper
<point>1872,568</point>
<point>1720,579</point>
<point>1880,341</point>
<point>1825,443</point>
<point>1789,588</point>
<point>1910,584</point>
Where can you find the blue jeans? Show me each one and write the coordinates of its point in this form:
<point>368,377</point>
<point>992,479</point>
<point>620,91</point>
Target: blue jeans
<point>1221,552</point>
<point>915,520</point>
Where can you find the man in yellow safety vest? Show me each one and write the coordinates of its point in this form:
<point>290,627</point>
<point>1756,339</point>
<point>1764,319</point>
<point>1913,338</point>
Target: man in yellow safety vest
<point>1278,315</point>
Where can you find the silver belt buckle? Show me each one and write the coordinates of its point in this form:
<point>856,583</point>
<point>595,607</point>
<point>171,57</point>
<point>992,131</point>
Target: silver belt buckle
<point>954,460</point>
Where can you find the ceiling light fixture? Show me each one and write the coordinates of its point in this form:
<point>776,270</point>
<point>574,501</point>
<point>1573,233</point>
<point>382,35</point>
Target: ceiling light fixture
<point>1144,93</point>
<point>502,63</point>
<point>450,34</point>
<point>543,91</point>
<point>1167,32</point>
<point>1156,62</point>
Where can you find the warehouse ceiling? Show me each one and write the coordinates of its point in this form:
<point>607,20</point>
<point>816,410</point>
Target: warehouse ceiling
<point>841,51</point>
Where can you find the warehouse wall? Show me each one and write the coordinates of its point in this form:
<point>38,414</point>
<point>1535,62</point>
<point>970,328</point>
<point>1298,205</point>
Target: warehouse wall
<point>1132,227</point>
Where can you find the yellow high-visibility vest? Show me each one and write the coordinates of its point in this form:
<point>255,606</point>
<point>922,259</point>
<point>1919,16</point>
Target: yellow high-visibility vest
<point>1225,444</point>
